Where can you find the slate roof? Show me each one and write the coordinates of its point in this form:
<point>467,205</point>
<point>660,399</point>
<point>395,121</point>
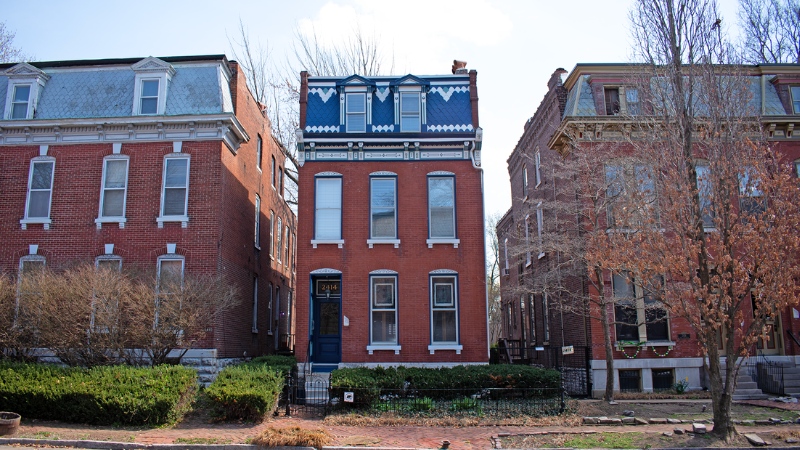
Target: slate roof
<point>88,92</point>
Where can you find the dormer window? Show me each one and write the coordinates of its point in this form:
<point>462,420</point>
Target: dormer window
<point>410,112</point>
<point>149,99</point>
<point>20,100</point>
<point>356,108</point>
<point>795,99</point>
<point>612,101</point>
<point>25,83</point>
<point>150,91</point>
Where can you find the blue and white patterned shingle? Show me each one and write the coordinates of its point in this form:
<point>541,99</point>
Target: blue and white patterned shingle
<point>449,109</point>
<point>322,113</point>
<point>383,110</point>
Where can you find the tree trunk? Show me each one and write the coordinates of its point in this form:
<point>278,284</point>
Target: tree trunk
<point>606,326</point>
<point>721,391</point>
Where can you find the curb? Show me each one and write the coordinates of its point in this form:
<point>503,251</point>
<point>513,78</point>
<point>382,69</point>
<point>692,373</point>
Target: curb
<point>111,445</point>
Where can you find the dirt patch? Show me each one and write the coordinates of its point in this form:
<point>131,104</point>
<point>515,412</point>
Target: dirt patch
<point>762,410</point>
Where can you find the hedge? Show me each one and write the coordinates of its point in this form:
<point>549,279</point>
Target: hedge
<point>104,395</point>
<point>443,382</point>
<point>247,391</point>
<point>283,363</point>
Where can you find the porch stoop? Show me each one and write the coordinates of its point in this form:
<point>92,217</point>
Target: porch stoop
<point>747,389</point>
<point>791,380</point>
<point>317,382</point>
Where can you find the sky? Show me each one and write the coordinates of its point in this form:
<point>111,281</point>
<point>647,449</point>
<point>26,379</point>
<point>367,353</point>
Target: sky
<point>515,45</point>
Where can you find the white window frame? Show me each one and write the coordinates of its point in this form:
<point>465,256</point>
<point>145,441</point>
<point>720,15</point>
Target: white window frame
<point>14,101</point>
<point>254,328</point>
<point>182,218</point>
<point>271,234</point>
<point>524,182</point>
<point>151,69</point>
<point>272,167</point>
<point>413,98</point>
<point>390,239</point>
<point>44,220</point>
<point>286,236</point>
<point>540,229</point>
<point>441,277</point>
<point>703,172</point>
<point>351,115</point>
<point>257,223</point>
<point>279,244</point>
<point>334,209</point>
<point>101,218</point>
<point>269,310</point>
<point>259,152</point>
<point>505,252</point>
<point>377,278</point>
<point>538,165</point>
<point>108,258</point>
<point>453,239</point>
<point>545,318</point>
<point>38,259</point>
<point>528,259</point>
<point>143,96</point>
<point>159,261</point>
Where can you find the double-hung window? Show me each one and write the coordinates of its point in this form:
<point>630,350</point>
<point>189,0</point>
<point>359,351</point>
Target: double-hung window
<point>383,208</point>
<point>286,237</point>
<point>383,311</point>
<point>410,118</point>
<point>442,210</point>
<point>327,210</point>
<point>751,198</point>
<point>149,96</point>
<point>170,282</point>
<point>538,161</point>
<point>546,317</point>
<point>114,189</point>
<point>639,314</point>
<point>631,196</point>
<point>540,229</point>
<point>20,101</point>
<point>272,169</point>
<point>259,154</point>
<point>527,240</point>
<point>705,194</point>
<point>255,305</point>
<point>356,112</point>
<point>257,237</point>
<point>40,191</point>
<point>444,310</point>
<point>279,246</point>
<point>524,182</point>
<point>272,234</point>
<point>175,190</point>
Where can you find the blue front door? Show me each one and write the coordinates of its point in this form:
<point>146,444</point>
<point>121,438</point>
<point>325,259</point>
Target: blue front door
<point>327,318</point>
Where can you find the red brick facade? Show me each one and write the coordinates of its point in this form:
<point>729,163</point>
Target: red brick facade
<point>217,239</point>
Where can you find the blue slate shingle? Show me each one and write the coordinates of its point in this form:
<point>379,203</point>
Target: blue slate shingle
<point>457,110</point>
<point>321,113</point>
<point>194,90</point>
<point>87,93</point>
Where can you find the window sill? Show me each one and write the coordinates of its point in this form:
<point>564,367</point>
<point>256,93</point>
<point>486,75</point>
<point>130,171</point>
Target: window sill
<point>456,347</point>
<point>118,220</point>
<point>372,348</point>
<point>184,220</point>
<point>42,220</point>
<point>315,242</point>
<point>254,331</point>
<point>432,242</point>
<point>257,247</point>
<point>540,256</point>
<point>395,242</point>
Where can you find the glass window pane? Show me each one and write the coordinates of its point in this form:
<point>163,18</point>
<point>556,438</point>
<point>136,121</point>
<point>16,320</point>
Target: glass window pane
<point>409,103</point>
<point>356,103</point>
<point>170,274</point>
<point>175,202</point>
<point>109,264</point>
<point>39,205</point>
<point>112,202</point>
<point>383,293</point>
<point>176,172</point>
<point>150,88</point>
<point>444,326</point>
<point>384,327</point>
<point>19,111</point>
<point>383,223</point>
<point>442,224</point>
<point>442,294</point>
<point>22,93</point>
<point>441,192</point>
<point>149,106</point>
<point>116,173</point>
<point>383,193</point>
<point>329,319</point>
<point>328,212</point>
<point>42,175</point>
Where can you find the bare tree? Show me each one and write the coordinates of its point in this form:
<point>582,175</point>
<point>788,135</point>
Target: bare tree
<point>493,279</point>
<point>9,52</point>
<point>770,30</point>
<point>726,232</point>
<point>274,82</point>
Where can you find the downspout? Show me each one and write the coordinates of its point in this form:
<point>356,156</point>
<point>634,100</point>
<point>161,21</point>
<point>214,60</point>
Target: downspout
<point>475,157</point>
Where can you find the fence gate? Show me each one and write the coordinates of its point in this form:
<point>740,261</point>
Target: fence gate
<point>305,395</point>
<point>575,368</point>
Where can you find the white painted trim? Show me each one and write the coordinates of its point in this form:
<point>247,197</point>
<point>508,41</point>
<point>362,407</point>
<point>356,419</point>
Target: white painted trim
<point>440,347</point>
<point>315,242</point>
<point>395,242</point>
<point>325,271</point>
<point>395,348</point>
<point>432,242</point>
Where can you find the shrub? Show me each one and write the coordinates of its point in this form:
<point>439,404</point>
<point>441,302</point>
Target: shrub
<point>284,364</point>
<point>100,395</point>
<point>359,380</point>
<point>246,391</point>
<point>465,404</point>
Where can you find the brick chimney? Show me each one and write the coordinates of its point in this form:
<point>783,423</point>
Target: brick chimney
<point>459,67</point>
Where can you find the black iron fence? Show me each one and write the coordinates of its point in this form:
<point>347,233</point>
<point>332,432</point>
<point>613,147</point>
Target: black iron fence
<point>768,375</point>
<point>575,365</point>
<point>459,402</point>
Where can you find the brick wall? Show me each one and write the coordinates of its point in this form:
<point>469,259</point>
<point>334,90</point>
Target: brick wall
<point>413,260</point>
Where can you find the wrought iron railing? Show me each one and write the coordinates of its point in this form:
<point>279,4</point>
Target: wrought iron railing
<point>767,374</point>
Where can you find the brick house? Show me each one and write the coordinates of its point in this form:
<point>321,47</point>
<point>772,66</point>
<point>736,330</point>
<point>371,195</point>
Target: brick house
<point>159,163</point>
<point>391,245</point>
<point>596,104</point>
